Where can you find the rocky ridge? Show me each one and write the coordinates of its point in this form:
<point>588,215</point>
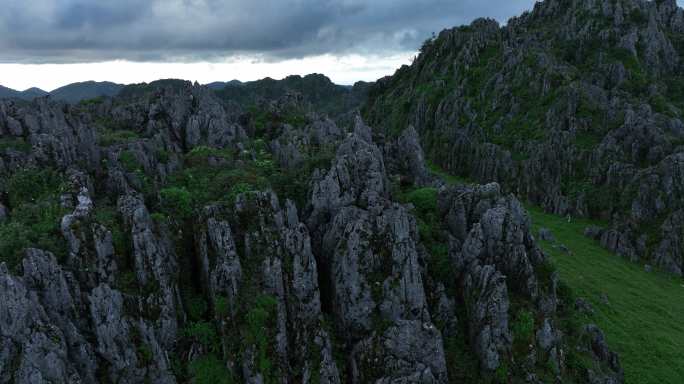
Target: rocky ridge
<point>574,106</point>
<point>185,239</point>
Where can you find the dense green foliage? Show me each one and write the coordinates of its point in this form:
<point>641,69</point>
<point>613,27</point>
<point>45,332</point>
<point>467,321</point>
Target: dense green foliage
<point>432,235</point>
<point>212,176</point>
<point>177,202</point>
<point>323,95</point>
<point>204,333</point>
<point>109,137</point>
<point>129,161</point>
<point>209,369</point>
<point>200,183</point>
<point>522,328</point>
<point>260,319</point>
<point>15,143</point>
<point>35,214</point>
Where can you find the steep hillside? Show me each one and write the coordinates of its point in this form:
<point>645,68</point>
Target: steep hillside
<point>8,92</point>
<point>73,93</point>
<point>317,90</point>
<point>575,106</point>
<point>639,310</point>
<point>28,94</point>
<point>32,93</point>
<point>219,85</point>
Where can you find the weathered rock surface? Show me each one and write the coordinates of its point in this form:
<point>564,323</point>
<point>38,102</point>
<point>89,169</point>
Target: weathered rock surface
<point>571,106</point>
<point>173,256</point>
<point>374,273</point>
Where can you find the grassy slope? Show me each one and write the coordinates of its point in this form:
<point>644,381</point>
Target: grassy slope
<point>644,321</point>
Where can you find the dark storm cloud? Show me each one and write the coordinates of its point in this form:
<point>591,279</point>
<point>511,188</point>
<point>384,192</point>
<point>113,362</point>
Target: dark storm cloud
<point>40,31</point>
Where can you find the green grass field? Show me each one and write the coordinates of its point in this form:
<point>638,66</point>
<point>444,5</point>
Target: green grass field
<point>644,321</point>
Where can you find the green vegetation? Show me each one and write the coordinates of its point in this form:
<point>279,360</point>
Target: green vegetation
<point>265,122</point>
<point>176,202</point>
<point>109,131</point>
<point>129,161</point>
<point>200,184</point>
<point>424,199</point>
<point>587,140</point>
<point>35,215</point>
<point>522,328</point>
<point>462,364</point>
<point>638,17</point>
<point>431,232</point>
<point>17,143</point>
<point>200,155</point>
<point>642,321</point>
<point>204,182</point>
<point>108,137</point>
<point>196,307</point>
<point>260,319</point>
<point>140,180</point>
<point>91,102</point>
<point>447,177</point>
<point>203,333</point>
<point>107,215</point>
<point>209,369</point>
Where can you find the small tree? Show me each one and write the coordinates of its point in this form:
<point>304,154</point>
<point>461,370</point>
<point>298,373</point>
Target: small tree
<point>176,203</point>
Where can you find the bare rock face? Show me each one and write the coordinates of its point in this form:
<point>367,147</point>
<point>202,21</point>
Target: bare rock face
<point>91,252</point>
<point>357,178</point>
<point>54,341</point>
<point>57,134</point>
<point>62,302</point>
<point>373,270</point>
<point>487,300</point>
<point>220,263</point>
<point>500,234</point>
<point>495,259</point>
<point>155,267</point>
<point>602,355</point>
<point>3,213</point>
<point>668,254</point>
<point>374,267</point>
<point>408,352</point>
<point>34,348</point>
<point>129,345</point>
<point>278,257</point>
<point>190,114</point>
<point>405,157</point>
<point>292,146</point>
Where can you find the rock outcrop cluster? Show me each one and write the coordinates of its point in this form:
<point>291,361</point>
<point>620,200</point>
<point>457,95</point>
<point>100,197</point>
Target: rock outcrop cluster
<point>167,236</point>
<point>574,106</point>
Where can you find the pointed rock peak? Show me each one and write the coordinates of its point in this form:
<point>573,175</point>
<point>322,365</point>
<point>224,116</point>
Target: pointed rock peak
<point>362,130</point>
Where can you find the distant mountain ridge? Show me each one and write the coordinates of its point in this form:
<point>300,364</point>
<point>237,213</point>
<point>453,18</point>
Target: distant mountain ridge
<point>76,92</point>
<point>28,94</point>
<point>72,93</point>
<point>316,89</point>
<point>218,85</point>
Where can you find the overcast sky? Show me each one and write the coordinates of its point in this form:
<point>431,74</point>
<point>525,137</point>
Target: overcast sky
<point>49,43</point>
